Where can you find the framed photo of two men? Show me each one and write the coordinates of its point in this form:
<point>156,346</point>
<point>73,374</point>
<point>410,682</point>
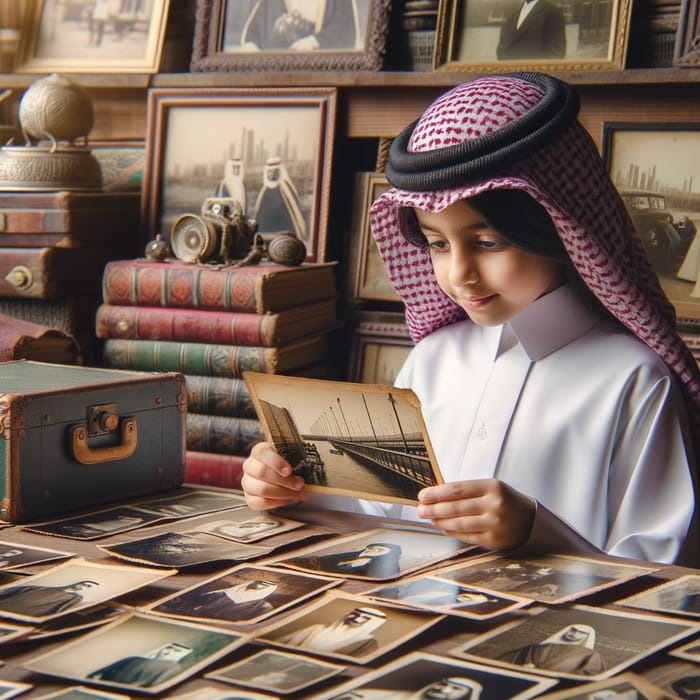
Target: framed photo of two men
<point>546,35</point>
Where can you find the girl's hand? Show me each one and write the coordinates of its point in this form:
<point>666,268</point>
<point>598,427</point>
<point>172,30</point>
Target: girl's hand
<point>268,481</point>
<point>485,512</point>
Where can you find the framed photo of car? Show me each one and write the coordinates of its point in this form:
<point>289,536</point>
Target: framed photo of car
<point>655,168</point>
<point>485,35</point>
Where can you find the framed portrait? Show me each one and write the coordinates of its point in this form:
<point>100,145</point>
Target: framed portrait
<point>268,149</point>
<point>379,348</point>
<point>92,37</point>
<point>654,169</point>
<point>263,35</point>
<point>367,275</point>
<point>687,47</point>
<point>547,35</point>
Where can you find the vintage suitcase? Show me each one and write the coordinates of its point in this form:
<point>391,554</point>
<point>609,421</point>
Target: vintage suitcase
<point>73,437</point>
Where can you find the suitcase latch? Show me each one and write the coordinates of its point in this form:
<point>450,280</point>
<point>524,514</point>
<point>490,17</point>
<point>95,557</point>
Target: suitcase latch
<point>102,420</point>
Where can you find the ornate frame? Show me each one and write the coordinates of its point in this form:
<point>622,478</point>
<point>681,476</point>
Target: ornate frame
<point>452,19</point>
<point>209,52</point>
<point>687,47</point>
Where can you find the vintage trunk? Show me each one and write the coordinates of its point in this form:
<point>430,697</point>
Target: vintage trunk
<point>73,437</point>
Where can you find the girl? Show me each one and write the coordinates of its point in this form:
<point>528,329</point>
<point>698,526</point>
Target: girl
<point>552,381</point>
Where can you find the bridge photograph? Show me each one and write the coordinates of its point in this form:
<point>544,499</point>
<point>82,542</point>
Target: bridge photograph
<point>348,438</point>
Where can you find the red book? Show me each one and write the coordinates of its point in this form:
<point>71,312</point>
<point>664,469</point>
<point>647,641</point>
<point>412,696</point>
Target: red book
<point>213,469</point>
<point>221,327</point>
<point>254,289</point>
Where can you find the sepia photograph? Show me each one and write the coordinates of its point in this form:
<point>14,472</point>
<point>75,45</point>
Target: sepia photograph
<point>79,621</point>
<point>182,549</point>
<point>264,152</point>
<point>347,438</point>
<point>625,686</point>
<point>8,632</point>
<point>576,642</point>
<point>378,351</point>
<point>653,168</point>
<point>420,675</point>
<point>452,598</point>
<point>14,557</point>
<point>688,652</point>
<point>348,627</point>
<point>235,35</point>
<point>244,594</point>
<point>241,527</point>
<point>191,504</point>
<point>277,672</point>
<point>143,654</point>
<point>72,586</point>
<point>375,555</point>
<point>96,525</point>
<point>680,596</point>
<point>82,692</point>
<point>544,35</point>
<point>92,36</point>
<point>677,678</point>
<point>555,578</point>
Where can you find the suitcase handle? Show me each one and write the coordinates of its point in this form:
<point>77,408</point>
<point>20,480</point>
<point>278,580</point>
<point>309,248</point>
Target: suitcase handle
<point>87,455</point>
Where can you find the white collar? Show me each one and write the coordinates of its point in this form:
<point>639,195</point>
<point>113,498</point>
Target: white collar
<point>549,323</point>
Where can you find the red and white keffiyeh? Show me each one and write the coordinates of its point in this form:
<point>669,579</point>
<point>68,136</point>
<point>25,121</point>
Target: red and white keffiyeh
<point>568,178</point>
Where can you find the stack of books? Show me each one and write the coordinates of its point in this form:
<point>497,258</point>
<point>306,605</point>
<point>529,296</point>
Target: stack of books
<point>53,249</point>
<point>212,323</point>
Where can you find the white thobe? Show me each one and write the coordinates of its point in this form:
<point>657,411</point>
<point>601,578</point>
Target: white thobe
<point>568,409</point>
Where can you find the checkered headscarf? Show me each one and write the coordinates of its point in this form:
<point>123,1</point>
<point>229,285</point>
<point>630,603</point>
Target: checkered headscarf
<point>520,131</point>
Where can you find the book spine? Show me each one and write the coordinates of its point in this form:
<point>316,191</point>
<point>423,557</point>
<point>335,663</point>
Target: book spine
<point>188,358</point>
<point>219,396</point>
<point>130,283</point>
<point>186,325</point>
<point>222,434</point>
<point>213,469</point>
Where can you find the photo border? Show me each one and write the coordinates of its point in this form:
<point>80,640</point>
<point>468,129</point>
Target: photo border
<point>445,39</point>
<point>688,312</point>
<point>29,62</point>
<point>162,102</point>
<point>208,53</point>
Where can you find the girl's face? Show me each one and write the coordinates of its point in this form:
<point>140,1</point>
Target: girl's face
<point>478,269</point>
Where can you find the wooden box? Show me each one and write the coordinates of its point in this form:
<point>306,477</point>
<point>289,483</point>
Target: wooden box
<point>75,437</point>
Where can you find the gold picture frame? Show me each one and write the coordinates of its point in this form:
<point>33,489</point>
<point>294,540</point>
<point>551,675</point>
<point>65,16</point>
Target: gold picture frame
<point>594,36</point>
<point>220,45</point>
<point>68,38</point>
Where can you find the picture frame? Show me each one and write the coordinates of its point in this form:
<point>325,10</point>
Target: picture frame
<point>686,52</point>
<point>680,596</point>
<point>469,33</point>
<point>378,350</point>
<point>347,438</point>
<point>74,41</point>
<point>651,165</point>
<point>243,127</point>
<point>366,272</point>
<point>224,40</point>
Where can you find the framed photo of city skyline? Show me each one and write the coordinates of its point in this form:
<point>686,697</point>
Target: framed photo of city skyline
<point>278,142</point>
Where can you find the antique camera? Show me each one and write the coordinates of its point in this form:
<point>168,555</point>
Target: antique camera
<point>221,231</point>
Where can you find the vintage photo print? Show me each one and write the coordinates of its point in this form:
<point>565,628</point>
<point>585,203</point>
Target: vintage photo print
<point>244,594</point>
<point>82,692</point>
<point>348,627</point>
<point>182,549</point>
<point>577,642</point>
<point>688,652</point>
<point>14,556</point>
<point>9,631</point>
<point>680,596</point>
<point>678,678</point>
<point>545,578</point>
<point>277,672</point>
<point>79,621</point>
<point>622,687</point>
<point>246,526</point>
<point>376,555</point>
<point>449,597</point>
<point>96,525</point>
<point>191,504</point>
<point>422,675</point>
<point>211,693</point>
<point>11,689</point>
<point>347,438</point>
<point>140,653</point>
<point>72,586</point>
